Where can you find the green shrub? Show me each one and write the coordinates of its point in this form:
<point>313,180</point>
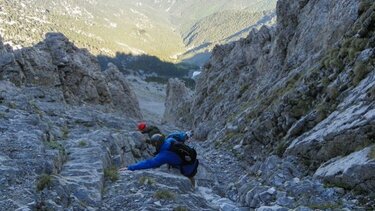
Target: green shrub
<point>65,132</point>
<point>165,195</point>
<point>55,145</point>
<point>111,173</point>
<point>360,71</point>
<point>146,180</point>
<point>44,181</point>
<point>82,143</point>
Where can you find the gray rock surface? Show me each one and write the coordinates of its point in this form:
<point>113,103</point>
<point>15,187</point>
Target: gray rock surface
<point>177,104</point>
<point>302,90</point>
<point>123,97</point>
<point>56,62</point>
<point>354,171</point>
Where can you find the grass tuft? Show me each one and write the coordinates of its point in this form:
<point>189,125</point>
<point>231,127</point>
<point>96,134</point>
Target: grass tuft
<point>165,195</point>
<point>44,181</point>
<point>111,173</point>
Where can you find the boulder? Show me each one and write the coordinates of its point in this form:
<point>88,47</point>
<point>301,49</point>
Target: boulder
<point>355,171</point>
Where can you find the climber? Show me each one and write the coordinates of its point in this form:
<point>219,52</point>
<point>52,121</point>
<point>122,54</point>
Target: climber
<point>181,136</point>
<point>171,152</point>
<point>150,130</point>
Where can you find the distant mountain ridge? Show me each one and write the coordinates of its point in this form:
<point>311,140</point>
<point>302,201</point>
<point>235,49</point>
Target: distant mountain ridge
<point>139,27</point>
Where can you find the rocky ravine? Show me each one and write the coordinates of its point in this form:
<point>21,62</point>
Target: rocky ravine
<point>66,128</point>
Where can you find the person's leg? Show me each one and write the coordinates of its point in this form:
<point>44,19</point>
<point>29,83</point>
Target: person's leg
<point>192,180</point>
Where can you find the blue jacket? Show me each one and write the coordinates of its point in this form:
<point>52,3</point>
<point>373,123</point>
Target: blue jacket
<point>165,157</point>
<point>178,136</point>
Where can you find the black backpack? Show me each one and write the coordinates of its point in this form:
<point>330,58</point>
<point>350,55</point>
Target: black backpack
<point>187,154</point>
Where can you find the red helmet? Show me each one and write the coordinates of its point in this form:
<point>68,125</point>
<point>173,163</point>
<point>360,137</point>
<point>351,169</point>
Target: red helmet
<point>141,126</point>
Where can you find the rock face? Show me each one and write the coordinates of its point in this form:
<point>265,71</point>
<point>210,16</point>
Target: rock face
<point>123,97</point>
<point>304,88</point>
<point>57,63</point>
<point>356,170</point>
<point>177,104</point>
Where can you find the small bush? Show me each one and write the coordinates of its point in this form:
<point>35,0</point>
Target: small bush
<point>82,143</point>
<point>65,132</point>
<point>111,173</point>
<point>165,195</point>
<point>44,181</point>
<point>55,145</point>
<point>360,71</point>
<point>146,180</point>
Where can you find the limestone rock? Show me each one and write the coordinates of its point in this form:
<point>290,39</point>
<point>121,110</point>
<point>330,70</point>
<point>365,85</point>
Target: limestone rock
<point>178,104</point>
<point>123,97</point>
<point>58,63</point>
<point>356,171</point>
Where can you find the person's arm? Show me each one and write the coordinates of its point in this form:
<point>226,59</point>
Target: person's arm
<point>154,162</point>
<point>178,136</point>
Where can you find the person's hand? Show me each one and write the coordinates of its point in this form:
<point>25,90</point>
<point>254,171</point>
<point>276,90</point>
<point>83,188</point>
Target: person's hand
<point>124,170</point>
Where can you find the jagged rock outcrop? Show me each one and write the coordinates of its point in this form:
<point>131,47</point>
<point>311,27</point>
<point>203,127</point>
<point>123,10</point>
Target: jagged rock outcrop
<point>123,97</point>
<point>57,63</point>
<point>9,69</point>
<point>303,88</point>
<point>178,104</point>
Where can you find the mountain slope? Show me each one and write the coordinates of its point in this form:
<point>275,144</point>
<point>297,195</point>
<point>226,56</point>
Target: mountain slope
<point>107,27</point>
<point>99,26</point>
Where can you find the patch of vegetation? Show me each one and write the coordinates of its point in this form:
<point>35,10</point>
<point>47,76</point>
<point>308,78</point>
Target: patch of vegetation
<point>12,105</point>
<point>243,89</point>
<point>111,173</point>
<point>55,145</point>
<point>35,107</point>
<point>82,143</point>
<point>372,153</point>
<point>164,195</point>
<point>2,115</point>
<point>44,181</point>
<point>65,132</point>
<point>281,148</point>
<point>364,5</point>
<point>180,208</point>
<point>147,64</point>
<point>156,79</point>
<point>338,184</point>
<point>361,69</point>
<point>146,180</point>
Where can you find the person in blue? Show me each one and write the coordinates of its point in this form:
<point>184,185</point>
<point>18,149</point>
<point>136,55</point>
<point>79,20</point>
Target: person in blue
<point>166,156</point>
